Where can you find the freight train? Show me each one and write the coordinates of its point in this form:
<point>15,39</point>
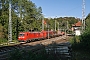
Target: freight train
<point>32,36</point>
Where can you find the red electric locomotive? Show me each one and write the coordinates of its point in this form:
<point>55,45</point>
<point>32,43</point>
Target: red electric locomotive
<point>29,36</point>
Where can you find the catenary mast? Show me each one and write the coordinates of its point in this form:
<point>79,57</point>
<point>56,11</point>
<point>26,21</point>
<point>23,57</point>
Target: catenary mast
<point>10,24</point>
<point>83,15</point>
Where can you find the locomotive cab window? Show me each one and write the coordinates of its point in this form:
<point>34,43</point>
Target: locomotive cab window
<point>21,34</point>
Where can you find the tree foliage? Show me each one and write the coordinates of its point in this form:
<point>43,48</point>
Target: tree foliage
<point>24,14</point>
<point>88,21</point>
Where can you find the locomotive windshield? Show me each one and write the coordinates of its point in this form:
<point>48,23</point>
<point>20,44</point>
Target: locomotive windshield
<point>21,34</point>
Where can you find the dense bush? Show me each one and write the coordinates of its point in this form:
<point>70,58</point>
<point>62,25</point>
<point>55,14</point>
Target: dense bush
<point>2,40</point>
<point>85,39</point>
<point>28,55</point>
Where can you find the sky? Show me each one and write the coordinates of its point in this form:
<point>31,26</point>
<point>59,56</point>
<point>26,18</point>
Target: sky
<point>62,8</point>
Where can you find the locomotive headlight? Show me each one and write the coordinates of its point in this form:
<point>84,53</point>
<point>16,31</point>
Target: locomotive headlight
<point>22,37</point>
<point>18,37</point>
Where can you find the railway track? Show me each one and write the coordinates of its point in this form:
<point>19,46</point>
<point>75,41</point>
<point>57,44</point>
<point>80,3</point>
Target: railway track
<point>33,46</point>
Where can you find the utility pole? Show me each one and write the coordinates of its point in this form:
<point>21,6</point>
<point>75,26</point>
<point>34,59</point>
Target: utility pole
<point>20,9</point>
<point>67,25</point>
<point>10,24</point>
<point>58,26</point>
<point>83,15</point>
<point>43,24</point>
<point>48,27</point>
<point>0,5</point>
<point>55,24</point>
<point>48,30</point>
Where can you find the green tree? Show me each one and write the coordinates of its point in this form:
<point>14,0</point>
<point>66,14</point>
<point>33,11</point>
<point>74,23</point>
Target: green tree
<point>24,16</point>
<point>88,21</point>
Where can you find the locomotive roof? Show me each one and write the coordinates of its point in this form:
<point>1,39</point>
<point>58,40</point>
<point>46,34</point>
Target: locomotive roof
<point>30,32</point>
